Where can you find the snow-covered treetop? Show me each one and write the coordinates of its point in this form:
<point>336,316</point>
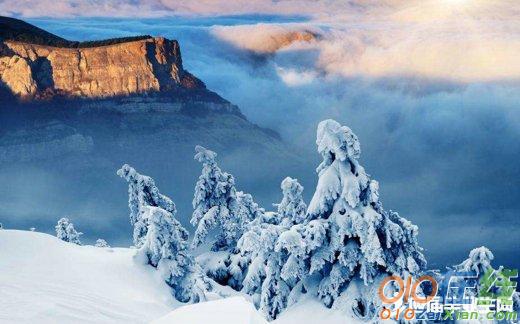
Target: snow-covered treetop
<point>217,204</point>
<point>292,205</point>
<point>479,260</point>
<point>65,231</point>
<point>143,192</point>
<point>290,185</point>
<point>204,155</point>
<point>337,141</point>
<point>101,243</point>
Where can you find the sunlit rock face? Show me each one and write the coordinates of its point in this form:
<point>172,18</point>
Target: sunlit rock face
<point>16,73</point>
<point>141,66</point>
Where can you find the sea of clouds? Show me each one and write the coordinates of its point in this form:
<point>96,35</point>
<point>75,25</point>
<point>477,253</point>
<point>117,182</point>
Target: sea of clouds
<point>430,87</point>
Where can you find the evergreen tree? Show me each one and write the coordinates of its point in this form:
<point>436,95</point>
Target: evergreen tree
<point>275,291</point>
<point>351,234</point>
<point>275,253</point>
<point>101,243</point>
<point>65,231</point>
<point>488,281</point>
<point>166,248</point>
<point>478,261</point>
<point>344,233</point>
<point>142,192</point>
<point>217,204</point>
<point>292,206</point>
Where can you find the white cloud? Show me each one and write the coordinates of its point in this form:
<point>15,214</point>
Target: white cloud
<point>153,8</point>
<point>268,38</point>
<point>294,78</point>
<point>461,41</point>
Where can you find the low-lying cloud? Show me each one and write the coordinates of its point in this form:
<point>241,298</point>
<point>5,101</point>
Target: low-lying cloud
<point>464,50</point>
<point>431,90</point>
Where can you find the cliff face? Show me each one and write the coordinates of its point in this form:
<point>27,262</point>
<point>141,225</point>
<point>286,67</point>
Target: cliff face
<point>141,66</point>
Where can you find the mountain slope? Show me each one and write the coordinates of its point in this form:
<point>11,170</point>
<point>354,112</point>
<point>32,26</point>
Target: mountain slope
<point>13,29</point>
<point>19,30</point>
<point>45,280</point>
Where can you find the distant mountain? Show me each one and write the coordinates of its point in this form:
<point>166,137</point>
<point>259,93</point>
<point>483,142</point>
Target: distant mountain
<point>12,29</point>
<point>71,116</point>
<point>18,30</point>
<point>37,64</point>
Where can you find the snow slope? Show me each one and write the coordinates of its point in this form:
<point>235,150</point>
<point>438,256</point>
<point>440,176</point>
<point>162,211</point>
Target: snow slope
<point>45,280</point>
<point>237,310</point>
<point>224,311</point>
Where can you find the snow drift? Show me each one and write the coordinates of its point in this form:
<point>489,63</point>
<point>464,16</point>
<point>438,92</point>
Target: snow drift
<point>46,280</point>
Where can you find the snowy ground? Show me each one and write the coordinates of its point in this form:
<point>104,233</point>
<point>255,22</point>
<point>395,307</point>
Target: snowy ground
<point>45,280</point>
<point>236,310</point>
<point>230,310</point>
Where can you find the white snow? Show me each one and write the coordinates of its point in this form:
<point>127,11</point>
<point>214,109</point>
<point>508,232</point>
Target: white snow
<point>311,310</point>
<point>45,280</point>
<point>235,310</point>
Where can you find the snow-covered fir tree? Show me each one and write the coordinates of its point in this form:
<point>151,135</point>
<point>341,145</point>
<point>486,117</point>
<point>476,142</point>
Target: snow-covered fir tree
<point>1,226</point>
<point>478,261</point>
<point>292,206</point>
<point>344,234</point>
<point>101,243</point>
<point>477,272</point>
<point>166,248</point>
<point>351,234</point>
<point>274,252</point>
<point>270,274</point>
<point>65,231</point>
<point>218,205</point>
<point>142,192</point>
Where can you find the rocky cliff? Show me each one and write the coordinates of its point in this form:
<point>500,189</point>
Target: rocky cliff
<point>35,63</point>
<point>141,66</point>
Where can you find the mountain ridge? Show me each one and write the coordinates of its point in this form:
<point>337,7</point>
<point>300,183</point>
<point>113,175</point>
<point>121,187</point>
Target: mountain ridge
<point>35,64</point>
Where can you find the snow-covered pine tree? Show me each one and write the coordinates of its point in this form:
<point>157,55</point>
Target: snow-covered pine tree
<point>65,231</point>
<point>217,204</point>
<point>1,226</point>
<point>350,234</point>
<point>166,247</point>
<point>142,192</point>
<point>292,207</point>
<point>479,265</point>
<point>247,209</point>
<point>101,243</point>
<point>478,261</point>
<point>274,247</point>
